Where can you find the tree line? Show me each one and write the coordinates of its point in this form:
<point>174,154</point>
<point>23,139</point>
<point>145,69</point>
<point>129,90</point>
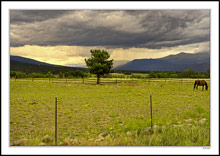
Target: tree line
<point>70,74</point>
<point>81,74</point>
<point>186,74</point>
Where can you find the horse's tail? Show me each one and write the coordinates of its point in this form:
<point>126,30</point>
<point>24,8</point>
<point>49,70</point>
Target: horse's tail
<point>195,85</point>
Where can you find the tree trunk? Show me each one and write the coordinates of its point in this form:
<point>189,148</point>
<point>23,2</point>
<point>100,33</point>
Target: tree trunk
<point>98,78</point>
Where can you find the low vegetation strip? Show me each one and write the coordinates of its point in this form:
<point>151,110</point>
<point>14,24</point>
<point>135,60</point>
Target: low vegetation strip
<point>109,80</point>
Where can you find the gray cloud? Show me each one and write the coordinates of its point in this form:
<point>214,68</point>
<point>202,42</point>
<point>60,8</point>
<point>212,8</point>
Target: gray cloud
<point>28,16</point>
<point>119,28</point>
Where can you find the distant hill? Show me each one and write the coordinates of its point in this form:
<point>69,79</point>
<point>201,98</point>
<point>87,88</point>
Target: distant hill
<point>27,60</point>
<point>22,64</point>
<point>186,58</point>
<point>117,63</point>
<point>176,63</point>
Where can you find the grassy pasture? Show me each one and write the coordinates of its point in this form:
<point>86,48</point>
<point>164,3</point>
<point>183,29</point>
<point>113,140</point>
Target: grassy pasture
<point>109,114</point>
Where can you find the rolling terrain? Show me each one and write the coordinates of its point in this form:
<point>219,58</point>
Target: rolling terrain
<point>173,63</point>
<point>22,64</point>
<point>176,63</point>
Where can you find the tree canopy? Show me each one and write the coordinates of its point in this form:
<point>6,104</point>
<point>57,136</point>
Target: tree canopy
<point>98,63</point>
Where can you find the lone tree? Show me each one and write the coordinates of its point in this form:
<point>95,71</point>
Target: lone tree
<point>98,63</point>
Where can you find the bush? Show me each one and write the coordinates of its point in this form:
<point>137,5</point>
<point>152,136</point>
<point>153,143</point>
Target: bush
<point>12,73</point>
<point>78,74</point>
<point>152,75</point>
<point>21,75</point>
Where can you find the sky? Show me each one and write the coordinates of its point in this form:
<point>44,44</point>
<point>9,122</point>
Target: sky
<point>65,37</point>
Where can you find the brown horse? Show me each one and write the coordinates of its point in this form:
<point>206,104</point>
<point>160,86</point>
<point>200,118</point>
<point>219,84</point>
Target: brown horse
<point>200,83</point>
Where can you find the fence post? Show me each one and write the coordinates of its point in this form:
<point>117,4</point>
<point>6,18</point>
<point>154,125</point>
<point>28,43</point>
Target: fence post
<point>83,80</point>
<point>116,81</point>
<point>56,121</point>
<point>151,110</point>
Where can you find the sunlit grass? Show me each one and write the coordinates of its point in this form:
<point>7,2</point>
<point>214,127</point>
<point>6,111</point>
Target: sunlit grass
<point>122,110</point>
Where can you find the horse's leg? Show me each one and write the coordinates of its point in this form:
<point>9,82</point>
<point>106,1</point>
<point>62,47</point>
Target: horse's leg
<point>202,87</point>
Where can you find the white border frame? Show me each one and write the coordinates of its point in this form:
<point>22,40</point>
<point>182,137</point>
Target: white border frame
<point>214,42</point>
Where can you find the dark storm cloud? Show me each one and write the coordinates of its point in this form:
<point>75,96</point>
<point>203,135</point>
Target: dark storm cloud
<point>27,16</point>
<point>131,28</point>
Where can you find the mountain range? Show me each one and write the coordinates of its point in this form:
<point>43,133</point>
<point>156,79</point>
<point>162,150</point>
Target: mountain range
<point>22,64</point>
<point>27,60</point>
<point>199,62</point>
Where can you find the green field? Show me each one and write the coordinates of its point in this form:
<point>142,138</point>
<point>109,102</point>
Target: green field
<point>109,114</point>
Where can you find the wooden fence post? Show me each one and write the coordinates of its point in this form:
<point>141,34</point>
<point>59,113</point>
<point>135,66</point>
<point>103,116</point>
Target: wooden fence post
<point>56,121</point>
<point>151,110</point>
